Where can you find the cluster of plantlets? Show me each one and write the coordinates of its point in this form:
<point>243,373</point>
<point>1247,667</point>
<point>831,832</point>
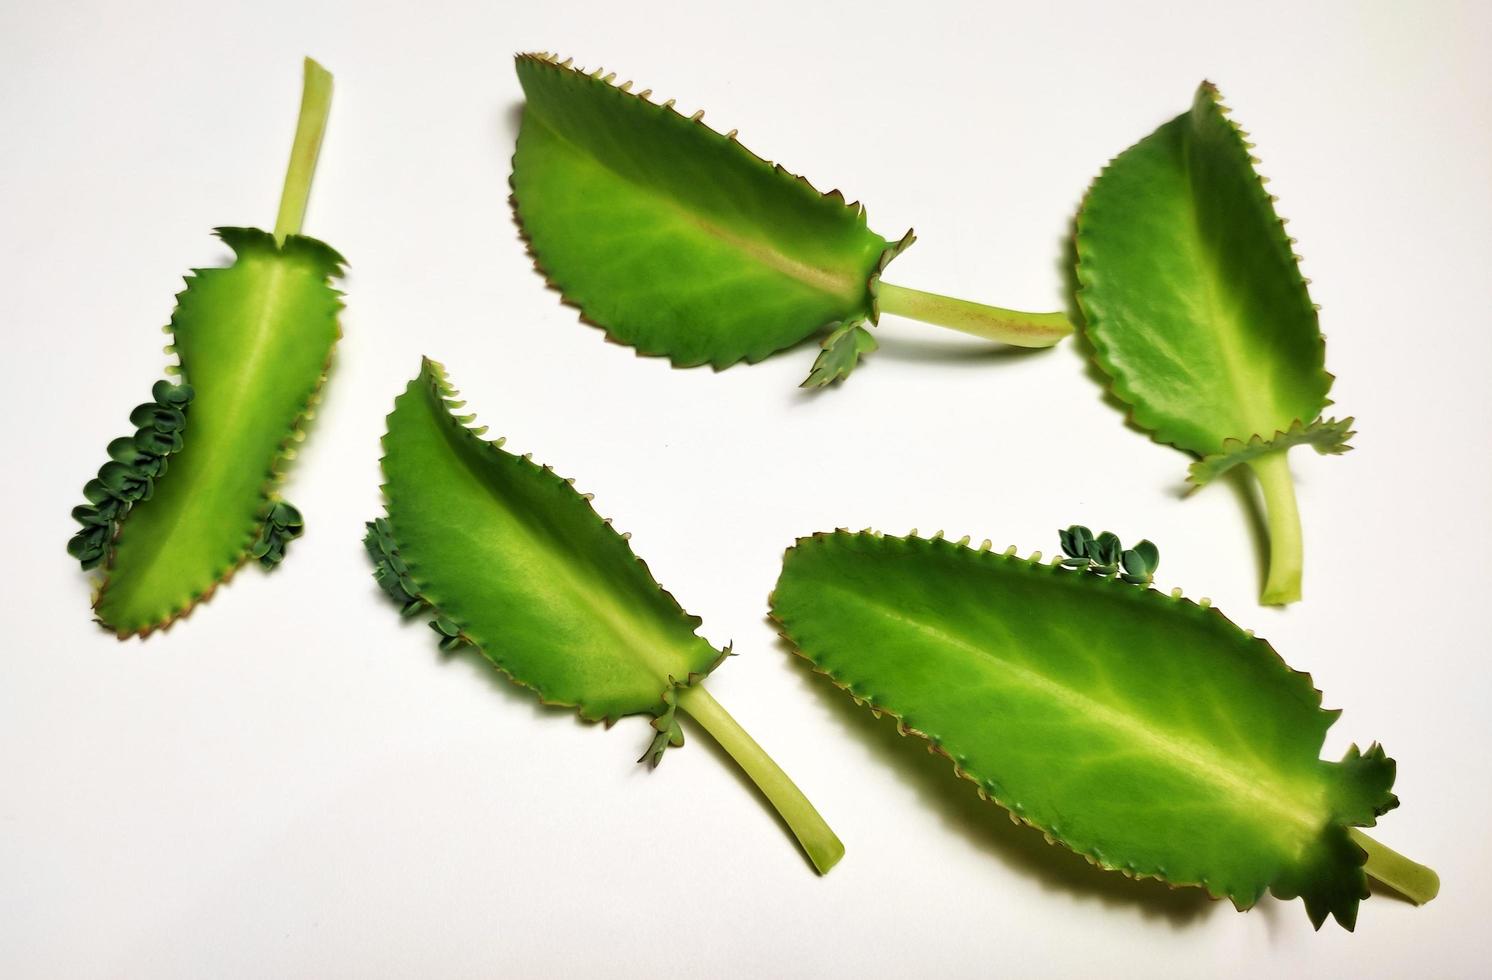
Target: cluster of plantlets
<point>135,463</point>
<point>1106,556</point>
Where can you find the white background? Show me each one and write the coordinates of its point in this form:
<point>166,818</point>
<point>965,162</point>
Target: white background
<point>292,783</point>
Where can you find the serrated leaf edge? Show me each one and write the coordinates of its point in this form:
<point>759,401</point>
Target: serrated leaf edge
<point>1092,325</point>
<point>873,280</point>
<point>269,495</point>
<point>1013,809</point>
<point>449,396</point>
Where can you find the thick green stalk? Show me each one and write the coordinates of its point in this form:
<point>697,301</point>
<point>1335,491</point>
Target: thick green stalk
<point>1414,881</point>
<point>315,106</point>
<point>990,322</point>
<point>1286,550</point>
<point>819,842</point>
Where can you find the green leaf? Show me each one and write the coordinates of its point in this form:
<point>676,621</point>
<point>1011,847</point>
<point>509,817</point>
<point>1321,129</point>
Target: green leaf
<point>678,241</point>
<point>510,558</point>
<point>255,339</point>
<point>509,551</point>
<point>1195,306</point>
<point>841,352</point>
<point>1192,297</point>
<point>1141,730</point>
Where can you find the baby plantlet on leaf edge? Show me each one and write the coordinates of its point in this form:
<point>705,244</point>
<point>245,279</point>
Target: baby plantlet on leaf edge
<point>1145,732</point>
<point>507,556</point>
<point>1198,314</point>
<point>678,241</point>
<point>254,342</point>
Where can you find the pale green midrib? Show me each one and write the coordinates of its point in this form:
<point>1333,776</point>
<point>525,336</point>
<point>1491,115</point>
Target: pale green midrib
<point>1255,412</point>
<point>209,451</point>
<point>839,286</point>
<point>636,641</point>
<point>1200,761</point>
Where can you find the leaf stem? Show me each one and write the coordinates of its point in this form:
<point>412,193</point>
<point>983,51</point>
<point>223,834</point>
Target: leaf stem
<point>1286,549</point>
<point>819,842</point>
<point>315,106</point>
<point>1414,881</point>
<point>990,322</point>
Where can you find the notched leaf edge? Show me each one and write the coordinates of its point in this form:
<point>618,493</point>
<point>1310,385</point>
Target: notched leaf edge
<point>331,263</point>
<point>873,281</point>
<point>1136,414</point>
<point>401,583</point>
<point>1318,905</point>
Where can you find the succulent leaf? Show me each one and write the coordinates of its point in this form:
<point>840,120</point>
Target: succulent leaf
<point>511,559</point>
<point>255,340</point>
<point>1198,314</point>
<point>1141,730</point>
<point>518,561</point>
<point>674,238</point>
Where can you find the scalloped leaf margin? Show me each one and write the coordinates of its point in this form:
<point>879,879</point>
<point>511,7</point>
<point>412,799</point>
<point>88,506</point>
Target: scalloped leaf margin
<point>873,281</point>
<point>399,583</point>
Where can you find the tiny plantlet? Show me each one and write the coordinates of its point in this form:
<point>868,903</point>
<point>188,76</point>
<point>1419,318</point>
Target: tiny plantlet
<point>508,557</point>
<point>1198,314</point>
<point>1144,731</point>
<point>678,241</point>
<point>254,341</point>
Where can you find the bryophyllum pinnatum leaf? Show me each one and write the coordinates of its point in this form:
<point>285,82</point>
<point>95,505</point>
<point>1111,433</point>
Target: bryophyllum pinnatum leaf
<point>254,341</point>
<point>507,556</point>
<point>1198,313</point>
<point>1141,730</point>
<point>678,241</point>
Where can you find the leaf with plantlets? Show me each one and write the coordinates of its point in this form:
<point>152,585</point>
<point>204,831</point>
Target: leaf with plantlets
<point>678,241</point>
<point>1143,731</point>
<point>254,341</point>
<point>506,556</point>
<point>1198,313</point>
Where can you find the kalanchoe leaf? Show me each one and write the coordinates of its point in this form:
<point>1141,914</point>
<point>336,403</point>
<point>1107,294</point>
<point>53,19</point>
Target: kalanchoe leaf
<point>1239,378</point>
<point>255,339</point>
<point>1070,545</point>
<point>549,592</point>
<point>841,353</point>
<point>678,241</point>
<point>1148,555</point>
<point>1159,740</point>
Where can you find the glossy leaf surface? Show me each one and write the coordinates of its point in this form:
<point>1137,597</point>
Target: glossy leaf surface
<point>1193,300</point>
<point>511,555</point>
<point>674,238</point>
<point>511,559</point>
<point>1141,730</point>
<point>254,340</point>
